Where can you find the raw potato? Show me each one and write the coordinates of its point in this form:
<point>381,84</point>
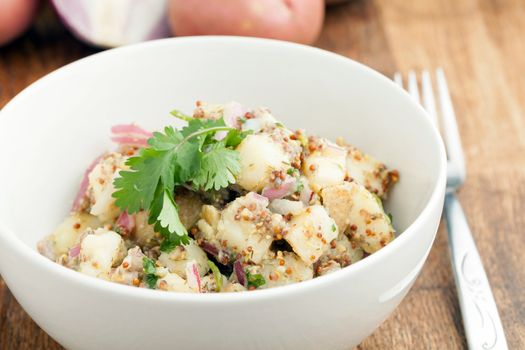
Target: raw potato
<point>246,226</point>
<point>285,268</point>
<point>68,233</point>
<point>15,17</point>
<point>100,189</point>
<point>325,167</point>
<point>100,251</point>
<point>369,225</point>
<point>260,155</point>
<point>292,20</point>
<point>310,233</point>
<point>176,260</point>
<point>369,172</point>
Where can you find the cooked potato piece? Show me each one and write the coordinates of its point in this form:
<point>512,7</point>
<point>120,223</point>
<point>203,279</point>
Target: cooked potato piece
<point>338,202</point>
<point>101,187</point>
<point>144,234</point>
<point>172,282</point>
<point>247,227</point>
<point>342,253</point>
<point>68,233</point>
<point>284,268</point>
<point>369,225</point>
<point>100,251</point>
<point>325,166</point>
<point>285,206</point>
<point>369,172</point>
<point>260,156</point>
<point>310,232</point>
<point>232,287</point>
<point>131,268</point>
<point>177,259</point>
<point>190,206</point>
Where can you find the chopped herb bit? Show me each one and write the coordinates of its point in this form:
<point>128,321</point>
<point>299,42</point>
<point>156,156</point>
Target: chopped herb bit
<point>255,280</point>
<point>390,217</point>
<point>292,171</point>
<point>299,185</point>
<point>334,228</point>
<point>175,158</point>
<point>217,274</point>
<point>150,272</point>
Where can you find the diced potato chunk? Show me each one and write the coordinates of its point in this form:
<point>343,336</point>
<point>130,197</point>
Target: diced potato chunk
<point>144,234</point>
<point>369,225</point>
<point>369,172</point>
<point>68,233</point>
<point>285,206</point>
<point>101,251</point>
<point>325,166</point>
<point>190,206</point>
<point>338,201</point>
<point>101,187</point>
<point>342,253</point>
<point>177,259</point>
<point>310,232</point>
<point>131,268</point>
<point>284,268</point>
<point>233,287</point>
<point>247,227</point>
<point>260,155</point>
<point>172,282</point>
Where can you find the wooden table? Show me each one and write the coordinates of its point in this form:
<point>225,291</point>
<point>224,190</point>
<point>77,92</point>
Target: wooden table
<point>481,45</point>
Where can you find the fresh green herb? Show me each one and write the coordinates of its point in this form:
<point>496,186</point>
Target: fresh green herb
<point>334,228</point>
<point>292,171</point>
<point>117,229</point>
<point>255,280</point>
<point>217,274</point>
<point>177,157</point>
<point>299,185</point>
<point>150,272</point>
<point>390,218</point>
<point>180,115</point>
<point>279,125</point>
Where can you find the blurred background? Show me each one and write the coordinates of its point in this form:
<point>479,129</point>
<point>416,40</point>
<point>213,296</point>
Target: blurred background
<point>479,43</point>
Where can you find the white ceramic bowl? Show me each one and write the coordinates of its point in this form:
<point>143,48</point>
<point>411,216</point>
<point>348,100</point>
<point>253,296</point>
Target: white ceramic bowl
<point>52,130</point>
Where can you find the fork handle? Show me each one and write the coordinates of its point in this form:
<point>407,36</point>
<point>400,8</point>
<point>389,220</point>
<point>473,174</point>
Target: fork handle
<point>481,321</point>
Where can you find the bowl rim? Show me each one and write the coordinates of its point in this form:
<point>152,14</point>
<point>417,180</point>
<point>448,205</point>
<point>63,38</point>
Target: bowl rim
<point>30,254</point>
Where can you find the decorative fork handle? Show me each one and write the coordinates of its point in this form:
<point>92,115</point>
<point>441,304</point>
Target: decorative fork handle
<point>480,315</point>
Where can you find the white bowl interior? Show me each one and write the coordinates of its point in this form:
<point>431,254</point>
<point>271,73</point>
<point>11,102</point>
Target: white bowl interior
<point>52,131</point>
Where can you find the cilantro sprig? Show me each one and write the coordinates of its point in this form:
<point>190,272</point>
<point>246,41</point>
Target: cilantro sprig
<point>255,280</point>
<point>194,155</point>
<point>150,272</point>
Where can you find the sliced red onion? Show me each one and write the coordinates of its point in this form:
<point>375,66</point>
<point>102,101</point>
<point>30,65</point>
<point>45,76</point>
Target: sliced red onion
<point>286,188</point>
<point>110,23</point>
<point>239,272</point>
<point>192,275</point>
<point>129,140</point>
<point>74,251</point>
<point>130,129</point>
<point>126,222</point>
<point>84,184</point>
<point>256,196</point>
<point>209,248</point>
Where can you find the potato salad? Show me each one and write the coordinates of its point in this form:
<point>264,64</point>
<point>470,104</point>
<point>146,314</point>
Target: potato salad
<point>233,201</point>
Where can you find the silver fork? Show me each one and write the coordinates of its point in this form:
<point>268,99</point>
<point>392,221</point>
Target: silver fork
<point>481,320</point>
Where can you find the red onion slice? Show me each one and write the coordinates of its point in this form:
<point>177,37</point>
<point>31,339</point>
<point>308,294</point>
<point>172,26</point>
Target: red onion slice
<point>74,251</point>
<point>287,187</point>
<point>84,184</point>
<point>129,140</point>
<point>130,129</point>
<point>192,276</point>
<point>126,223</point>
<point>239,272</point>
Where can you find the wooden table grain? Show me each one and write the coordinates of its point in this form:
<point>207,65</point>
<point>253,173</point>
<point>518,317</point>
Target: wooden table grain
<point>481,45</point>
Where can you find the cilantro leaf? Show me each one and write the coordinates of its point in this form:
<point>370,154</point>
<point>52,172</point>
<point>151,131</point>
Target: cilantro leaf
<point>177,157</point>
<point>255,280</point>
<point>218,168</point>
<point>150,272</point>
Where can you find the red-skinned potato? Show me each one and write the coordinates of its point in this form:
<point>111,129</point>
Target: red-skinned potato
<point>292,20</point>
<point>15,17</point>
